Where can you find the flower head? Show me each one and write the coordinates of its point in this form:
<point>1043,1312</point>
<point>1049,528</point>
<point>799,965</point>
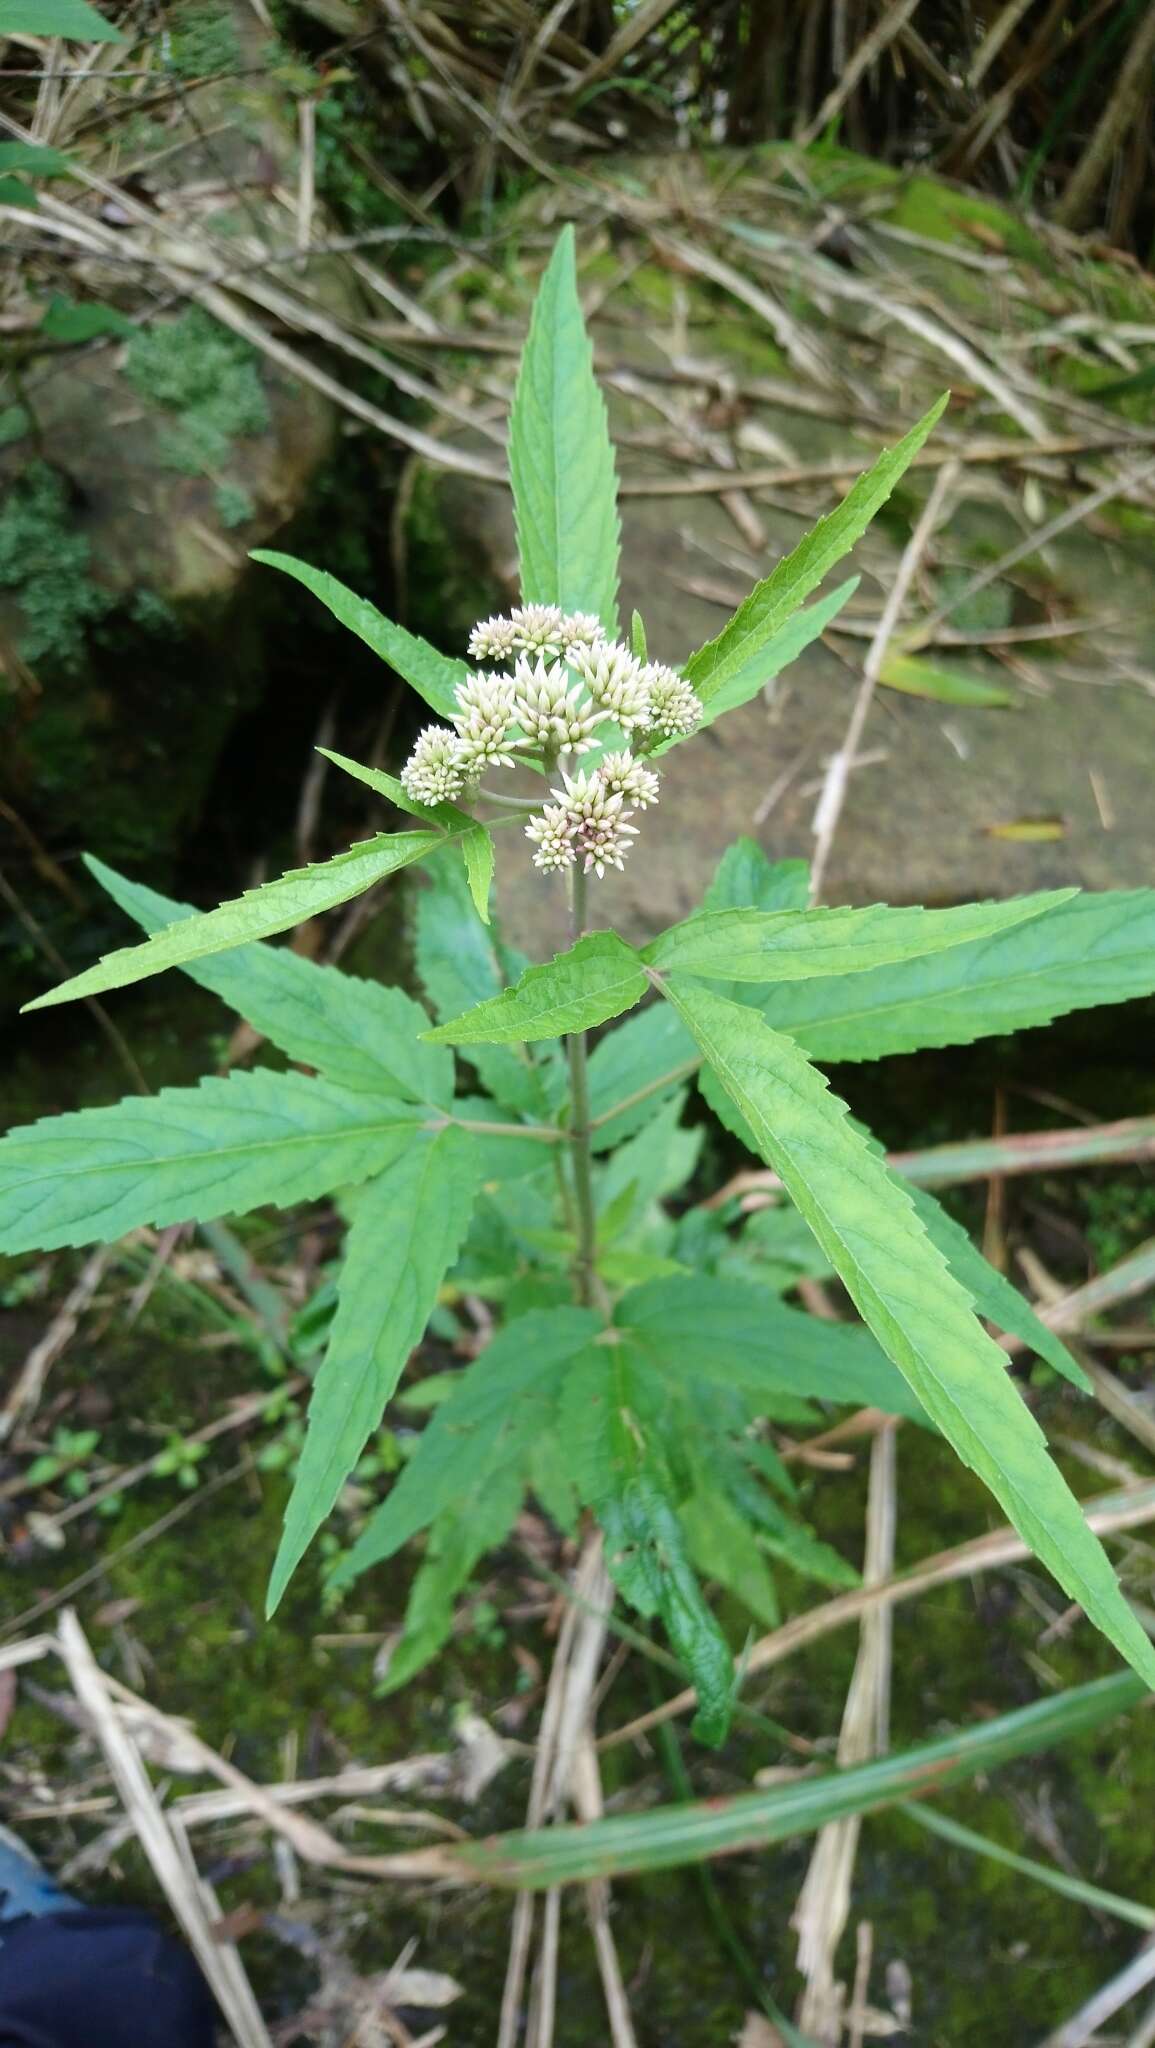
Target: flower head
<point>582,629</point>
<point>675,708</point>
<point>538,628</point>
<point>551,711</point>
<point>601,830</point>
<point>626,777</point>
<point>554,834</point>
<point>435,771</point>
<point>493,640</point>
<point>615,680</point>
<point>483,718</point>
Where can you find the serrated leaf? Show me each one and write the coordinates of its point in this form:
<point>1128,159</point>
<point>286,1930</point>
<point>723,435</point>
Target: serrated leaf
<point>647,1168</point>
<point>990,1290</point>
<point>258,914</point>
<point>433,675</point>
<point>75,20</point>
<point>792,945</point>
<point>596,979</point>
<point>1095,949</point>
<point>902,1288</point>
<point>503,1403</point>
<point>745,880</point>
<point>561,459</point>
<point>721,1547</point>
<point>772,656</point>
<point>406,1231</point>
<point>646,1558</point>
<point>356,1032</point>
<point>215,1150</point>
<point>737,648</point>
<point>918,678</point>
<point>730,1333</point>
<point>461,962</point>
<point>608,1422</point>
<point>445,815</point>
<point>477,850</point>
<point>458,1541</point>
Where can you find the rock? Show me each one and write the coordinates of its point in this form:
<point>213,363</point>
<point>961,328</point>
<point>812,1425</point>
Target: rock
<point>697,380</point>
<point>152,462</point>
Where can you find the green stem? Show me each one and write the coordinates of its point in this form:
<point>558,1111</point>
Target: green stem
<point>585,1263</point>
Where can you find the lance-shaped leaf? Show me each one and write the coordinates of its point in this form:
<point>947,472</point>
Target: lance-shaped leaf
<point>598,978</point>
<point>696,1829</point>
<point>772,657</point>
<point>405,1234</point>
<point>478,854</point>
<point>357,1033</point>
<point>561,459</point>
<point>434,676</point>
<point>992,1293</point>
<point>609,1425</point>
<point>792,945</point>
<point>1094,949</point>
<point>735,650</point>
<point>502,1407</point>
<point>462,962</point>
<point>448,816</point>
<point>215,1150</point>
<point>903,1289</point>
<point>258,914</point>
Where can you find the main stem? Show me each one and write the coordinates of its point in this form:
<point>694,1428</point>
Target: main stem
<point>585,1263</point>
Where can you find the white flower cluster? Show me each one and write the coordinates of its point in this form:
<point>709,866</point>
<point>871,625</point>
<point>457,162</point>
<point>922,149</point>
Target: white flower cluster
<point>550,680</point>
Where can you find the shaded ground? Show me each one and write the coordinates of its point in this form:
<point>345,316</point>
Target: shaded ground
<point>176,1613</point>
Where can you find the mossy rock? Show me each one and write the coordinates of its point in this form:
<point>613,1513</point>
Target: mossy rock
<point>696,377</point>
<point>143,468</point>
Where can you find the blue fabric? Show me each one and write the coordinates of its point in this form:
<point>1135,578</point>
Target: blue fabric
<point>100,1978</point>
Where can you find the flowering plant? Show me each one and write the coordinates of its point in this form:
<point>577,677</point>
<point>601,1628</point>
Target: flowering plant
<point>644,1357</point>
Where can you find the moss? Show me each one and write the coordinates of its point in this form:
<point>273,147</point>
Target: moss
<point>209,378</point>
<point>202,40</point>
<point>46,564</point>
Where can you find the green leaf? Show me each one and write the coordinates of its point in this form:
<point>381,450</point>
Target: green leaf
<point>646,1558</point>
<point>406,1231</point>
<point>33,158</point>
<point>745,638</point>
<point>458,1541</point>
<point>75,20</point>
<point>460,963</point>
<point>356,1032</point>
<point>300,894</point>
<point>477,848</point>
<point>730,1333</point>
<point>638,636</point>
<point>609,1423</point>
<point>792,945</point>
<point>902,1288</point>
<point>917,678</point>
<point>990,1290</point>
<point>433,675</point>
<point>65,321</point>
<point>745,880</point>
<point>14,192</point>
<point>647,1168</point>
<point>504,1402</point>
<point>561,460</point>
<point>215,1150</point>
<point>651,1046</point>
<point>722,1547</point>
<point>445,815</point>
<point>771,657</point>
<point>596,979</point>
<point>693,1830</point>
<point>1094,949</point>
